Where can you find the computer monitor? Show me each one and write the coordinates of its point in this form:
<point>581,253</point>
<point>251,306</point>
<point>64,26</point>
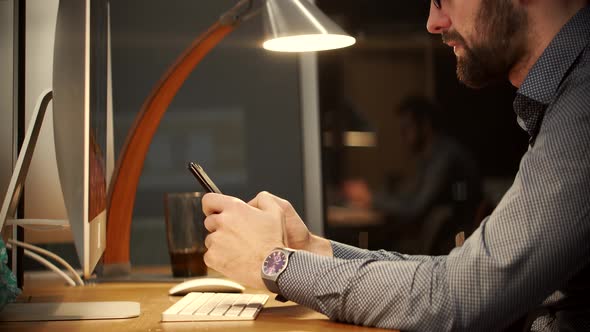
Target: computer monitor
<point>81,112</point>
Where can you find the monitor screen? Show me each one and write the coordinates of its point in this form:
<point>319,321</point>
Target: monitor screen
<point>98,105</point>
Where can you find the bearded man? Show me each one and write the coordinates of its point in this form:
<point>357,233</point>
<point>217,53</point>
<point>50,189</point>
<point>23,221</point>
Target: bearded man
<point>528,264</point>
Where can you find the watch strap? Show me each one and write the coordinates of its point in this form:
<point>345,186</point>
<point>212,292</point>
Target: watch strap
<point>271,285</point>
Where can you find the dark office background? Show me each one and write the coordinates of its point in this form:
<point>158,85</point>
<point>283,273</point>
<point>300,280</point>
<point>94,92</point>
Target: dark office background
<point>396,57</point>
<point>393,32</point>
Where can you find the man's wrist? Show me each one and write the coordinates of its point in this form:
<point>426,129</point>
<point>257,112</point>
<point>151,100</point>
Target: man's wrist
<point>320,246</point>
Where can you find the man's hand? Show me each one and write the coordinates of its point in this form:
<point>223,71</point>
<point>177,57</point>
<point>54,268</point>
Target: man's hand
<point>296,234</point>
<point>241,236</point>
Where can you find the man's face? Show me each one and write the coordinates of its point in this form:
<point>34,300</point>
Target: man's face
<point>488,37</point>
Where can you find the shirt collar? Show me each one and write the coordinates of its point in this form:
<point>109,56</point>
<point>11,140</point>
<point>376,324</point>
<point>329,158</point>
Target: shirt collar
<point>543,80</point>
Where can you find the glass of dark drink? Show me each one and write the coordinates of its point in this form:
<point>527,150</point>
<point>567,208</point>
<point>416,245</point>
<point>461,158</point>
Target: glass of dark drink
<point>186,233</point>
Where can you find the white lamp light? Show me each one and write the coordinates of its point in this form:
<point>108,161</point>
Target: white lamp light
<point>299,26</point>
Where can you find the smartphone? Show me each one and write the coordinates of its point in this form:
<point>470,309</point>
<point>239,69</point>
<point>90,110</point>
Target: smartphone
<point>203,178</point>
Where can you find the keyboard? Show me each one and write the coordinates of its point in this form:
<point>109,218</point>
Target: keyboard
<point>199,306</point>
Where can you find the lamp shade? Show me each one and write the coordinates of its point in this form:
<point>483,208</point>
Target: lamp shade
<point>299,26</point>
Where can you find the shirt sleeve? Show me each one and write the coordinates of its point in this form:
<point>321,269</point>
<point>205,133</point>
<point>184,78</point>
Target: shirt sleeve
<point>345,251</point>
<point>532,244</point>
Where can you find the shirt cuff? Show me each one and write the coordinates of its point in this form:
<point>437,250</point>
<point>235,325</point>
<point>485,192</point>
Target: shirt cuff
<point>301,281</point>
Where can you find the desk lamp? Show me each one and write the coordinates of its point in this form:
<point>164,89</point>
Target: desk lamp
<point>291,26</point>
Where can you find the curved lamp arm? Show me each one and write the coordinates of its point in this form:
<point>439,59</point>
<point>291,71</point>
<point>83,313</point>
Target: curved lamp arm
<point>129,166</point>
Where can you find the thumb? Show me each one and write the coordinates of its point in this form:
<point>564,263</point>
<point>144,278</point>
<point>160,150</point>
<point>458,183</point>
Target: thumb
<point>266,202</point>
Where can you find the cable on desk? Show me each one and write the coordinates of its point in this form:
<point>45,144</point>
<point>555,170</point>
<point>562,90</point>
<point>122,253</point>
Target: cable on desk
<point>50,254</point>
<point>47,264</point>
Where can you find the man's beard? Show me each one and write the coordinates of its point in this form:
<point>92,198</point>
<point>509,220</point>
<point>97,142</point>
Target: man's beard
<point>502,30</point>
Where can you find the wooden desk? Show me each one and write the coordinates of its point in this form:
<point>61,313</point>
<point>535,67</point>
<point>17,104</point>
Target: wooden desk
<point>154,299</point>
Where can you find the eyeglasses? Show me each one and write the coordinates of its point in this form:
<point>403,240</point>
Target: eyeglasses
<point>437,3</point>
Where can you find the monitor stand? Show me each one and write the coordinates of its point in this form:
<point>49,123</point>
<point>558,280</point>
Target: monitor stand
<point>17,181</point>
<point>59,310</point>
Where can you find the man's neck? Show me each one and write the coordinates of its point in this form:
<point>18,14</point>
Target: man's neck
<point>545,20</point>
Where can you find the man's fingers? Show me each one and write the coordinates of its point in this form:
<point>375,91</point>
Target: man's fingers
<point>254,201</point>
<point>212,222</point>
<point>207,259</point>
<point>215,203</point>
<point>209,240</point>
<point>266,202</point>
<point>264,196</point>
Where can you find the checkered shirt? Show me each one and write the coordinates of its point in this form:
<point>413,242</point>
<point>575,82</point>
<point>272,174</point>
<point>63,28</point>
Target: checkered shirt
<point>531,254</point>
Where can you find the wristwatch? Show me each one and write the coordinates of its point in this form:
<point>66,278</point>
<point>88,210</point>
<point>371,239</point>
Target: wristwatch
<point>274,264</point>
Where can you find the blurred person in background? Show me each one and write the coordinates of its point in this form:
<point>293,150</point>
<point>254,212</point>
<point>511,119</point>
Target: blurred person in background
<point>439,199</point>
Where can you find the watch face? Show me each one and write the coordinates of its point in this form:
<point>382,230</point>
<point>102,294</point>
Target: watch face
<point>274,263</point>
